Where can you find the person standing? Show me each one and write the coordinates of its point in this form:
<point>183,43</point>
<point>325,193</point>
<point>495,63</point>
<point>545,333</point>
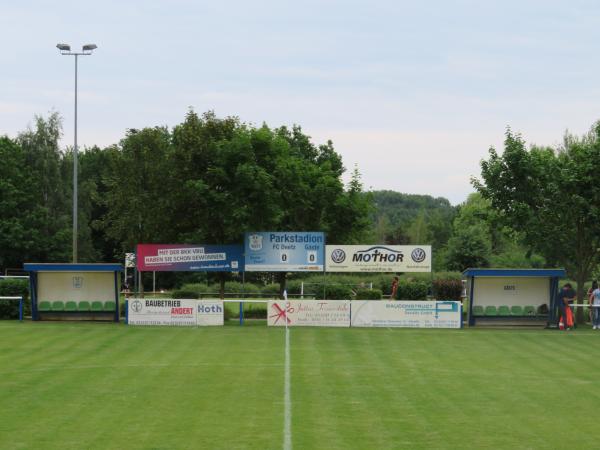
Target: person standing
<point>589,294</point>
<point>563,297</point>
<point>594,301</point>
<point>394,288</point>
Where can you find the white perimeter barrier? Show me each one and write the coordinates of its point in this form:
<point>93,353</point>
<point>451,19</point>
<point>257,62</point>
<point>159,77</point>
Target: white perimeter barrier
<point>313,313</point>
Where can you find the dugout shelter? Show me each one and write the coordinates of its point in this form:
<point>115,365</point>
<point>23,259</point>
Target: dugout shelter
<point>74,291</point>
<point>512,296</point>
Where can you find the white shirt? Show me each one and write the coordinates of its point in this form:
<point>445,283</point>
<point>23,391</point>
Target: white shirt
<point>596,295</point>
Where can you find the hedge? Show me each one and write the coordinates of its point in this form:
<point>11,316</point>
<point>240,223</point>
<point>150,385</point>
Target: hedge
<point>184,293</point>
<point>368,294</point>
<point>448,289</point>
<point>412,290</point>
<point>9,309</point>
<point>335,292</point>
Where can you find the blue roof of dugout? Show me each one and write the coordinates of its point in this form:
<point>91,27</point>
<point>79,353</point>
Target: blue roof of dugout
<point>515,273</point>
<point>64,267</point>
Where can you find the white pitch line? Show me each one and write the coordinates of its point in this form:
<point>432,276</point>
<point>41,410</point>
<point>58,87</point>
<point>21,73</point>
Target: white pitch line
<point>287,396</point>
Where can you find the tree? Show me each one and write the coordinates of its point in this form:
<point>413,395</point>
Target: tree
<point>96,169</point>
<point>469,247</point>
<point>407,218</point>
<point>49,225</point>
<point>15,205</point>
<point>552,197</point>
<point>137,196</point>
<point>348,219</point>
<point>226,181</point>
<point>418,230</point>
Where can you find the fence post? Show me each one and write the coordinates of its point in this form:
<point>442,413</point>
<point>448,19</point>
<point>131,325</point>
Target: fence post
<point>21,309</point>
<point>241,313</point>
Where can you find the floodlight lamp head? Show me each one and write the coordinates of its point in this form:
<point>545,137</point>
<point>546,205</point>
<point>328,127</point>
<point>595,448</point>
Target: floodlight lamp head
<point>63,47</point>
<point>89,47</point>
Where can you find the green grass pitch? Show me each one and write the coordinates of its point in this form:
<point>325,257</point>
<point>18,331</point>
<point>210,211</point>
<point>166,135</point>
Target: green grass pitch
<point>91,385</point>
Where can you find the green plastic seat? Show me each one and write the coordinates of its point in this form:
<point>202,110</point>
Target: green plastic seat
<point>70,306</point>
<point>58,305</point>
<point>97,306</point>
<point>528,311</point>
<point>503,311</point>
<point>491,311</point>
<point>516,310</point>
<point>478,310</point>
<point>44,306</point>
<point>83,306</point>
<point>109,306</point>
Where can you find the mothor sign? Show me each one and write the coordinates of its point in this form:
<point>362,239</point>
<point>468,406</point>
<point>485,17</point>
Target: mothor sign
<point>186,257</point>
<point>284,251</point>
<point>378,258</point>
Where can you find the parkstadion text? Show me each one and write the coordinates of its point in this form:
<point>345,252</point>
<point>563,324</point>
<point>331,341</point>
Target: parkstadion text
<point>296,238</point>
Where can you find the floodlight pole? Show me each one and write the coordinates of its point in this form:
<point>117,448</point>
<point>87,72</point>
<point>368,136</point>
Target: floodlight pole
<point>66,51</point>
<point>75,183</point>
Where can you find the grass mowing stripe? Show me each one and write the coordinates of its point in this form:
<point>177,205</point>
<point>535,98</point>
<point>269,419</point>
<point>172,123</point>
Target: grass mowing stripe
<point>287,426</point>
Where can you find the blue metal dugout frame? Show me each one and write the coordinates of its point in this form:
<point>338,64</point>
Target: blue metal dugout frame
<point>35,268</point>
<point>553,276</point>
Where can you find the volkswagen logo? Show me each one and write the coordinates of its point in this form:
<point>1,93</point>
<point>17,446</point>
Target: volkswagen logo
<point>136,306</point>
<point>338,255</point>
<point>418,255</point>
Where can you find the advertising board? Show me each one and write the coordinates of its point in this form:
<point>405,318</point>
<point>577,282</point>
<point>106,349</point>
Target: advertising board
<point>378,258</point>
<point>190,258</point>
<point>284,251</point>
<point>209,312</point>
<point>408,314</point>
<point>309,313</point>
<point>163,311</point>
<point>174,312</point>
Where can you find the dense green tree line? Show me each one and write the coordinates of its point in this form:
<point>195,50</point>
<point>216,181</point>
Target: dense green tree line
<point>209,179</point>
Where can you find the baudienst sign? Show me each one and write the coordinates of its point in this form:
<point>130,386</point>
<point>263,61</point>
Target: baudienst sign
<point>186,257</point>
<point>174,312</point>
<point>284,251</point>
<point>409,314</point>
<point>309,313</point>
<point>378,258</point>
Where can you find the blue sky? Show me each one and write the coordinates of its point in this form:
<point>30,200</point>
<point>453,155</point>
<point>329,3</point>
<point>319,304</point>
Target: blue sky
<point>413,93</point>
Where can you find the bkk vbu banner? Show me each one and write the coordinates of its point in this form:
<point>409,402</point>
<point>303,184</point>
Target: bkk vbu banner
<point>189,258</point>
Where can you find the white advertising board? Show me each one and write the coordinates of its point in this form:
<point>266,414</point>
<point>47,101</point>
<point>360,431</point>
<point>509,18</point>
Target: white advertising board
<point>163,311</point>
<point>378,258</point>
<point>209,312</point>
<point>408,314</point>
<point>174,312</point>
<point>309,313</point>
